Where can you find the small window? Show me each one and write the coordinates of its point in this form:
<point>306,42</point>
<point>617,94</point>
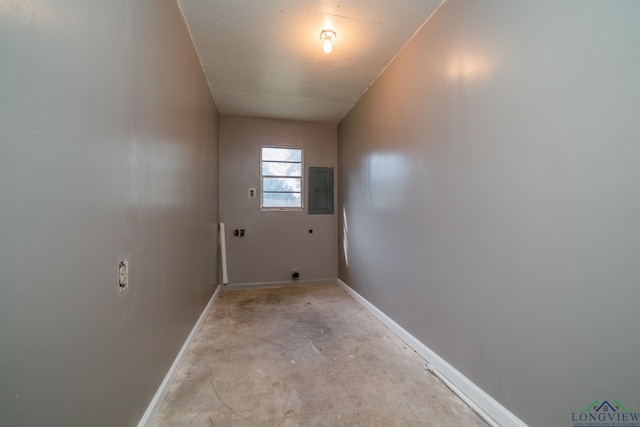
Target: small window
<point>281,173</point>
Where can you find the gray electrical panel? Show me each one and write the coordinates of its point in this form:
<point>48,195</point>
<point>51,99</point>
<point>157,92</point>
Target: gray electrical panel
<point>320,193</point>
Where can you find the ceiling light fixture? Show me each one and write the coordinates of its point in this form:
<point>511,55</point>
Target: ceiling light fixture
<point>327,37</point>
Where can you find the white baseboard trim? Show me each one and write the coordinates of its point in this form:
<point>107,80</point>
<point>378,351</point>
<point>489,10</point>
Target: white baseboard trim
<point>483,404</point>
<point>154,405</point>
<point>260,285</point>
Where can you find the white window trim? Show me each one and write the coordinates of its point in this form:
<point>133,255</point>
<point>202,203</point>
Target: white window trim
<point>302,192</point>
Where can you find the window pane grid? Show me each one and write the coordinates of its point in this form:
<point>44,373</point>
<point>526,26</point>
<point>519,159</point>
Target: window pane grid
<point>282,192</point>
<point>280,161</point>
<point>281,171</point>
<point>281,153</point>
<point>288,185</point>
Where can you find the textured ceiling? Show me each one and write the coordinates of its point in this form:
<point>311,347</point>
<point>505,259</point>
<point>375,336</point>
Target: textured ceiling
<point>264,57</point>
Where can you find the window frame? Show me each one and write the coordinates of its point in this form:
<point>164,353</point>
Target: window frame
<point>302,180</point>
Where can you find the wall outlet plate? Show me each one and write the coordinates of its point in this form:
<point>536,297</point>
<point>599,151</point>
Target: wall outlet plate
<point>252,193</point>
<point>123,274</point>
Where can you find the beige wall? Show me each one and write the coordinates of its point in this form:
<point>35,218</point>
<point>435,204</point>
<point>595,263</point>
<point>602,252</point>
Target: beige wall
<point>275,242</point>
<point>108,150</point>
<point>490,185</point>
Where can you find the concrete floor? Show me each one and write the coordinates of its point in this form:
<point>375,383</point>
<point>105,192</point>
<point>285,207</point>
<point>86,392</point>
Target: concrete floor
<point>304,356</point>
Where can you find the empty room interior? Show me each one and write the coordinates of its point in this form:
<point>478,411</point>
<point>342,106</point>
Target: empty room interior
<point>450,188</point>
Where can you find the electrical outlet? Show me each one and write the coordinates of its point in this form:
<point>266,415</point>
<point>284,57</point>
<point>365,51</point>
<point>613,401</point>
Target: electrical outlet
<point>295,274</point>
<point>252,193</point>
<point>123,274</point>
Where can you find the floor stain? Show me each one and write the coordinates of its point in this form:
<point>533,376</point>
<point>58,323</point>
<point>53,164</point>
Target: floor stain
<point>304,356</point>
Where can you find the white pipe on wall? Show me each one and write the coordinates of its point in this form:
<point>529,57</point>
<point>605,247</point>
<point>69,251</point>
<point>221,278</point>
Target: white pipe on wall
<point>223,254</point>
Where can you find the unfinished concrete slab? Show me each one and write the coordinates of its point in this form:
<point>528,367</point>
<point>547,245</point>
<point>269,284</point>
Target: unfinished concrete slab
<point>304,356</point>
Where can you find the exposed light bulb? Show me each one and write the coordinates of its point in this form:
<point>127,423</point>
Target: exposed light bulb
<point>327,37</point>
<point>328,47</point>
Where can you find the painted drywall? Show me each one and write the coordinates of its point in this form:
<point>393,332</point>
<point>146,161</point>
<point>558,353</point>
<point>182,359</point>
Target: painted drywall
<point>108,150</point>
<point>490,202</point>
<point>275,242</point>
